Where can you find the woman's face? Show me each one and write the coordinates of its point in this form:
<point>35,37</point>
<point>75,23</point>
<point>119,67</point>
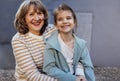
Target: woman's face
<point>65,22</point>
<point>34,20</point>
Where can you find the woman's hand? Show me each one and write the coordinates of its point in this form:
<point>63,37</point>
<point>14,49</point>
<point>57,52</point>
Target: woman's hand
<point>81,78</point>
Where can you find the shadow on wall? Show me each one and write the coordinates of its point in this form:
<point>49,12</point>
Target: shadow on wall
<point>8,9</point>
<point>6,54</point>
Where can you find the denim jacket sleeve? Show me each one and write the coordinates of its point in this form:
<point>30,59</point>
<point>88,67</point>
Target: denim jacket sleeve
<point>88,66</point>
<point>51,69</point>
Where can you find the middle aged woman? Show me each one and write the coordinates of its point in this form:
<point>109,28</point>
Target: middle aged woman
<point>31,23</point>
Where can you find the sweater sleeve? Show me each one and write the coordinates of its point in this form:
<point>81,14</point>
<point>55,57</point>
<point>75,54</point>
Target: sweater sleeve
<point>25,62</point>
<point>51,69</point>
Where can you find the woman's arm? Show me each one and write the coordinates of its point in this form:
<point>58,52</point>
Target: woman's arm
<point>25,62</point>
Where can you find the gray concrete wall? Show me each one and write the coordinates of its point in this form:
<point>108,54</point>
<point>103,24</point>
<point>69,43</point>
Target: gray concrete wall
<point>105,37</point>
<point>101,17</point>
<point>8,9</point>
<point>105,47</point>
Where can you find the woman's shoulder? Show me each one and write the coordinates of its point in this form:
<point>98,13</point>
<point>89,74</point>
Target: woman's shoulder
<point>50,28</point>
<point>18,36</point>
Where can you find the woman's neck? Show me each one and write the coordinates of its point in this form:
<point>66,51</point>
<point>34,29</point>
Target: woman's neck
<point>35,33</point>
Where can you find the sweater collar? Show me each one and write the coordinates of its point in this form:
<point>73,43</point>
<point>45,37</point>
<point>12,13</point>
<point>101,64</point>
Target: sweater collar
<point>35,36</point>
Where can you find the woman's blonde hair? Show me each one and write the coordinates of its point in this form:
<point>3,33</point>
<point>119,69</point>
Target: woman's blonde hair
<point>19,21</point>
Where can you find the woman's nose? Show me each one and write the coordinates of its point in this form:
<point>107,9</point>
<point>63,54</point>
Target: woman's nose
<point>37,17</point>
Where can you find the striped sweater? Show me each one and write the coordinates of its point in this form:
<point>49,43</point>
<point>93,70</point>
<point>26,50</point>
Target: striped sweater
<point>28,51</point>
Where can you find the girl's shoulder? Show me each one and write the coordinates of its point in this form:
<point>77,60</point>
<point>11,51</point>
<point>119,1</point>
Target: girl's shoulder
<point>80,41</point>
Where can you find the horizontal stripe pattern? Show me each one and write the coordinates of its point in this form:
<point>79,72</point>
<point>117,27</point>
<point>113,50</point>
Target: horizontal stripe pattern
<point>28,52</point>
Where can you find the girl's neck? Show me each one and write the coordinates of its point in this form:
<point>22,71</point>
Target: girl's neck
<point>67,37</point>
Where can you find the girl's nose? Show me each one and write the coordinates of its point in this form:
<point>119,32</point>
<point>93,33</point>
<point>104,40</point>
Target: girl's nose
<point>64,21</point>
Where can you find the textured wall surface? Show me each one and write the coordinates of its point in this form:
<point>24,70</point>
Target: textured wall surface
<point>105,39</point>
<point>101,20</point>
<point>7,12</point>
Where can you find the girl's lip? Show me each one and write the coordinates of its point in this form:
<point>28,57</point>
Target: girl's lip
<point>65,26</point>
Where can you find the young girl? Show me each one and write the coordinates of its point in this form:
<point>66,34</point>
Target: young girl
<point>65,52</point>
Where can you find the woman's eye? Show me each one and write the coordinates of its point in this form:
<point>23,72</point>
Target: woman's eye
<point>31,14</point>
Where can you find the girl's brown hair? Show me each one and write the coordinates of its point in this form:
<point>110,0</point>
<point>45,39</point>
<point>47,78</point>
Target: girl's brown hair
<point>19,21</point>
<point>64,7</point>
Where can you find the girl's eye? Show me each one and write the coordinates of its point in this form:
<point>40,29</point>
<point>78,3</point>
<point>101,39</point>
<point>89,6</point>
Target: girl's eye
<point>59,19</point>
<point>40,13</point>
<point>68,18</point>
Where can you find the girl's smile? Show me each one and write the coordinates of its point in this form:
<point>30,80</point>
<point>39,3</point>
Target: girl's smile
<point>65,21</point>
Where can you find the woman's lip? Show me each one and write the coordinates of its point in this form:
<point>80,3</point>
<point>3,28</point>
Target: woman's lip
<point>37,23</point>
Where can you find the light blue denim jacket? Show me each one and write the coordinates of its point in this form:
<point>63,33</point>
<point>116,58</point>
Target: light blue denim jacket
<point>55,64</point>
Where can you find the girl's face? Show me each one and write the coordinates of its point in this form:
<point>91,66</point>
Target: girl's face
<point>65,21</point>
<point>34,20</point>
